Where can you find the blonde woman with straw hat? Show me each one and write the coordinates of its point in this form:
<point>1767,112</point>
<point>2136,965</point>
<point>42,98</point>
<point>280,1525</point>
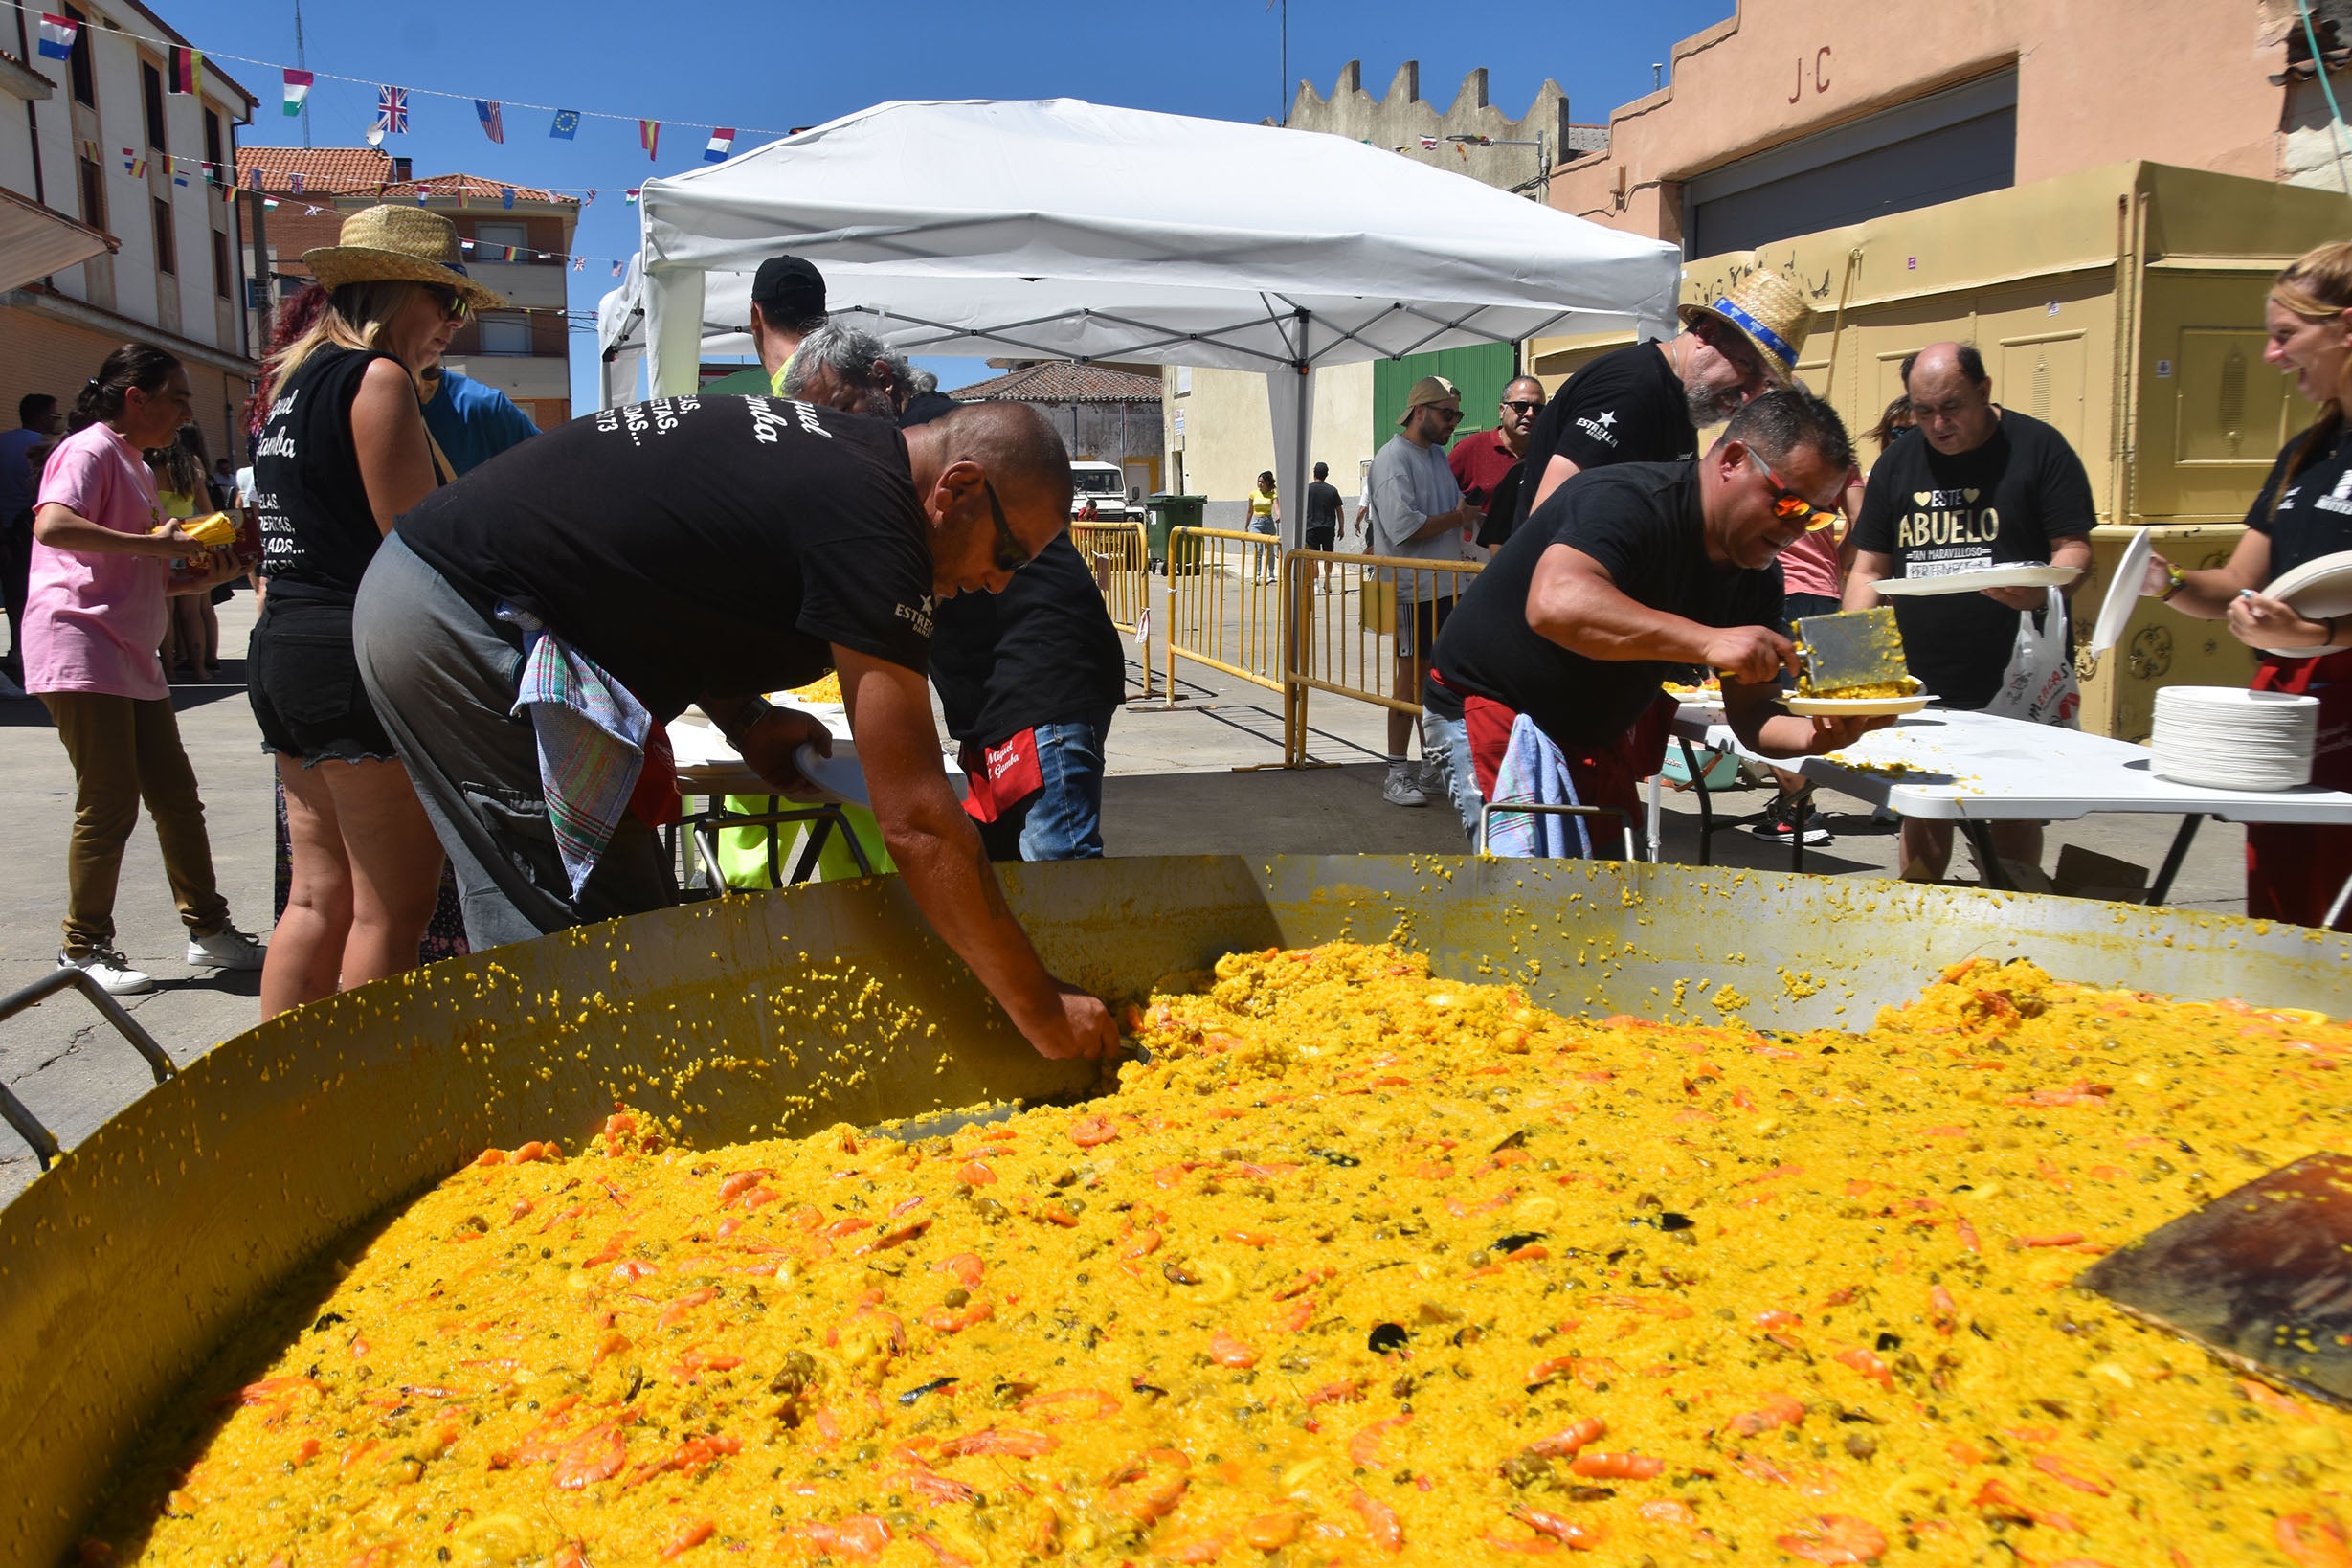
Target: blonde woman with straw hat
<point>343,452</point>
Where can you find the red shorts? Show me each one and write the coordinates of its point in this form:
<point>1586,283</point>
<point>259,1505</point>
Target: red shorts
<point>2294,869</point>
<point>1604,776</point>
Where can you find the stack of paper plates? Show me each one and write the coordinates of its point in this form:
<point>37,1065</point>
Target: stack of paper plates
<point>2225,738</point>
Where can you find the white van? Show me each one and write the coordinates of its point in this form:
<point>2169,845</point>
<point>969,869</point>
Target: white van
<point>1105,484</point>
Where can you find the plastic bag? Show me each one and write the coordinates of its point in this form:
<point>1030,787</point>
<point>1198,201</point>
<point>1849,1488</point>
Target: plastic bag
<point>2039,684</point>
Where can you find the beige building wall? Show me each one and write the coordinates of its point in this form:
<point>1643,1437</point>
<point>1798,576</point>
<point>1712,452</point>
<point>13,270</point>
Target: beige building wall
<point>1228,432</point>
<point>2098,82</point>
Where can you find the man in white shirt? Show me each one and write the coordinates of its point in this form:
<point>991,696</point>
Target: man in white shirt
<point>1418,511</point>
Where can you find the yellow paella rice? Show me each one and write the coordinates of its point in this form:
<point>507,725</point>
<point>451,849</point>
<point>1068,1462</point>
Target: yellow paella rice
<point>1361,1267</point>
<point>825,689</point>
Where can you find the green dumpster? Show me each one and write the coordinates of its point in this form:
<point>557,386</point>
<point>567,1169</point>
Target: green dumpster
<point>1164,513</point>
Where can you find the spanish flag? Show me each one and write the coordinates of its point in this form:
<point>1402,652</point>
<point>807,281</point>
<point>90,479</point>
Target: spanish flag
<point>649,132</point>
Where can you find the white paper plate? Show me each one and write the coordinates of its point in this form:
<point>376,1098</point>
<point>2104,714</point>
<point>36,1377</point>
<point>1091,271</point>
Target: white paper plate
<point>2122,592</point>
<point>1974,582</point>
<point>1837,707</point>
<point>2317,590</point>
<point>837,777</point>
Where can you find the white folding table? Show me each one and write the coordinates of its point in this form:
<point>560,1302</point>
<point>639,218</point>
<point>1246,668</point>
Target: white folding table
<point>1974,769</point>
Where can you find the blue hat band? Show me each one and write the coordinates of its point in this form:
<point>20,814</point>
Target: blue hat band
<point>1757,329</point>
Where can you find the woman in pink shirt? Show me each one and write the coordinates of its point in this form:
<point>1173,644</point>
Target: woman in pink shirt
<point>94,614</point>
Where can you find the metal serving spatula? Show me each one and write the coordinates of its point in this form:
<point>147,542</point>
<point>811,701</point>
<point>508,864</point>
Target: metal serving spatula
<point>2261,1276</point>
<point>1853,648</point>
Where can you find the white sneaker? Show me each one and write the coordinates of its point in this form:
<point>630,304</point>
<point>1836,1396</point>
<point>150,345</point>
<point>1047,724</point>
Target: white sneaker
<point>110,970</point>
<point>227,947</point>
<point>1436,779</point>
<point>1401,787</point>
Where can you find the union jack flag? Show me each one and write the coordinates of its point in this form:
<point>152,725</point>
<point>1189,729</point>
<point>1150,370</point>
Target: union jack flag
<point>392,110</point>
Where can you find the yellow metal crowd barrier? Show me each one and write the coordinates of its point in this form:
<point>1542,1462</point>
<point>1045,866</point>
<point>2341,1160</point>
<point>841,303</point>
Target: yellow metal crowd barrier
<point>1341,631</point>
<point>1121,561</point>
<point>1225,604</point>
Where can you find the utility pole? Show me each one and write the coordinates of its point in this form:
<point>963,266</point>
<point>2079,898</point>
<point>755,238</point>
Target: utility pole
<point>302,62</point>
<point>1282,111</point>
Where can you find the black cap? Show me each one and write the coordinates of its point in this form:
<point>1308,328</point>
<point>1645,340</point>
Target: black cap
<point>788,289</point>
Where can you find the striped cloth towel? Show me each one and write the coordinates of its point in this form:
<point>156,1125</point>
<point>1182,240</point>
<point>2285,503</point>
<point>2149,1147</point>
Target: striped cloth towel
<point>1534,769</point>
<point>592,737</point>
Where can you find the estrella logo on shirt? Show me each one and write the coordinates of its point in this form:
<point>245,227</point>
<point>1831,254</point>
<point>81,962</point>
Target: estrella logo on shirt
<point>1600,426</point>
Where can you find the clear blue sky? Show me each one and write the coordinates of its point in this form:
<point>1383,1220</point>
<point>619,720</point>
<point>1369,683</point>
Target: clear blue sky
<point>693,64</point>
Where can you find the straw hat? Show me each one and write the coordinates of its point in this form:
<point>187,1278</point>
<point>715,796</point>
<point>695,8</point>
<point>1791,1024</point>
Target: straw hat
<point>390,243</point>
<point>1769,313</point>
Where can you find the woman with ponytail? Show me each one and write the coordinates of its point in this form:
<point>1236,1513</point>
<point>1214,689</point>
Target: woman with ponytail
<point>342,453</point>
<point>95,614</point>
<point>2293,871</point>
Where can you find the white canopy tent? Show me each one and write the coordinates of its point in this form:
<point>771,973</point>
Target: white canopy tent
<point>1066,229</point>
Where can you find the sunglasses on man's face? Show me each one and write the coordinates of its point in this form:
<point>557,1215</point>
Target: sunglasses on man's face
<point>1519,405</point>
<point>1452,416</point>
<point>1789,505</point>
<point>1009,554</point>
<point>454,305</point>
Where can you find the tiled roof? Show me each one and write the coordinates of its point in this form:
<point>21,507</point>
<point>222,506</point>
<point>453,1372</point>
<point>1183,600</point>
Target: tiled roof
<point>471,186</point>
<point>324,170</point>
<point>1063,381</point>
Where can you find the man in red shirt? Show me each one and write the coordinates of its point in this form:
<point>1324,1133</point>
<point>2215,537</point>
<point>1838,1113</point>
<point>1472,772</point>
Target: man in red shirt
<point>1480,460</point>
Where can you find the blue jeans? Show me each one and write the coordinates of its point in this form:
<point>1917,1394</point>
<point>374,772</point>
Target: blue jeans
<point>1062,821</point>
<point>1456,734</point>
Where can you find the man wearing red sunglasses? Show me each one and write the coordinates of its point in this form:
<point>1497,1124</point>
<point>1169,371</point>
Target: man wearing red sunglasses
<point>1627,572</point>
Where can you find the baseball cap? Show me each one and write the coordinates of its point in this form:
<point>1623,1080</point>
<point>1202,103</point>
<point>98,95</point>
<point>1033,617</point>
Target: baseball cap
<point>788,287</point>
<point>1429,389</point>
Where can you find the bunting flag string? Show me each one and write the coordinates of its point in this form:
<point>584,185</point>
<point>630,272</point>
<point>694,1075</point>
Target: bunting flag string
<point>649,136</point>
<point>261,184</point>
<point>58,36</point>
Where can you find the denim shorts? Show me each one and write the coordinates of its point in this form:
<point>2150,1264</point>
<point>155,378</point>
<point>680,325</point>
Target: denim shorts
<point>1063,820</point>
<point>303,680</point>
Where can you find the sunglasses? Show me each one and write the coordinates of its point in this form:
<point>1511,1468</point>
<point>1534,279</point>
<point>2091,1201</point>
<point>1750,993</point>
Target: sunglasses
<point>454,305</point>
<point>1789,505</point>
<point>1010,554</point>
<point>1452,416</point>
<point>1522,406</point>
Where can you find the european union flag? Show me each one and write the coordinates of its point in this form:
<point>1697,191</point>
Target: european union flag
<point>567,124</point>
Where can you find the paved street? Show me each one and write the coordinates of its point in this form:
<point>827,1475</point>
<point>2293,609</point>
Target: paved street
<point>1177,786</point>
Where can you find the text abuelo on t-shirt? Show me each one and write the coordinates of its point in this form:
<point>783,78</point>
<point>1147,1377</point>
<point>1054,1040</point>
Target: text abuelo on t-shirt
<point>1947,533</point>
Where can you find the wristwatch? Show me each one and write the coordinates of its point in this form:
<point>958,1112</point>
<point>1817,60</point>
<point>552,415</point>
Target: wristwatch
<point>749,714</point>
<point>2175,579</point>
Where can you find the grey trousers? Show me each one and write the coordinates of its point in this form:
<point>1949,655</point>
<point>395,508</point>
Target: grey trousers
<point>443,678</point>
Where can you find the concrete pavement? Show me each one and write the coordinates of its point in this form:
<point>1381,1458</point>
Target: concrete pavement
<point>1194,779</point>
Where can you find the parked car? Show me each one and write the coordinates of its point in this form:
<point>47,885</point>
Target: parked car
<point>1105,484</point>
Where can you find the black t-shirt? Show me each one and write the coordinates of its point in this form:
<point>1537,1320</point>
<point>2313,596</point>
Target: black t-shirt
<point>2315,516</point>
<point>1641,521</point>
<point>1323,505</point>
<point>1041,652</point>
<point>1628,405</point>
<point>698,546</point>
<point>317,528</point>
<point>2003,501</point>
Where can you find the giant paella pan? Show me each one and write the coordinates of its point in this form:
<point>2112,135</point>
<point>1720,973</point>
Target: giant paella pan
<point>1452,1211</point>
